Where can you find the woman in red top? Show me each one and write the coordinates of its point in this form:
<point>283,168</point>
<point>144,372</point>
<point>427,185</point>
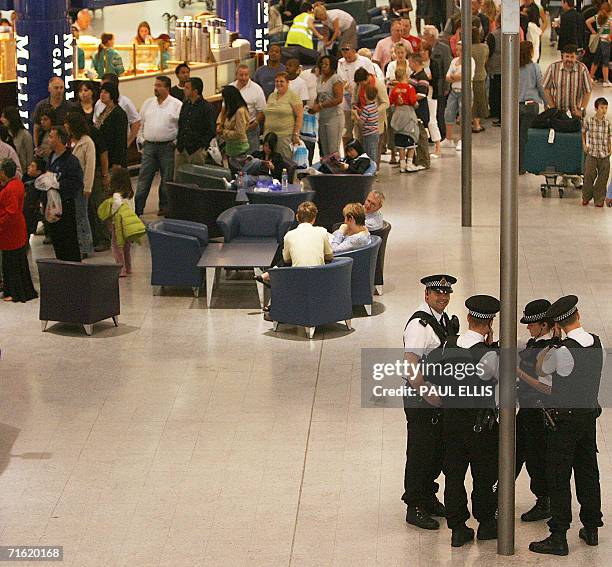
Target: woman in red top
<point>18,285</point>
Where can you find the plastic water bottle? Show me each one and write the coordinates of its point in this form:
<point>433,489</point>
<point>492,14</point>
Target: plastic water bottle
<point>241,181</point>
<point>284,180</point>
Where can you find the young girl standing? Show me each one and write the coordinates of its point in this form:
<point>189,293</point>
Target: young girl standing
<point>125,226</point>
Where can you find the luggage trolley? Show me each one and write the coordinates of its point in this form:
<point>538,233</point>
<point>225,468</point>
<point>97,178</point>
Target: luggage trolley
<point>558,156</point>
<point>560,181</point>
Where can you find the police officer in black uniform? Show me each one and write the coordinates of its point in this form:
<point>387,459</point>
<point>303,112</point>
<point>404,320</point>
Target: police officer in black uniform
<point>470,424</point>
<point>533,393</point>
<point>576,364</point>
<point>426,329</point>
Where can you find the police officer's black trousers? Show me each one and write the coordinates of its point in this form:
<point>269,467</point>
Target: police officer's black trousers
<point>462,447</point>
<point>573,446</point>
<point>531,448</point>
<point>424,453</point>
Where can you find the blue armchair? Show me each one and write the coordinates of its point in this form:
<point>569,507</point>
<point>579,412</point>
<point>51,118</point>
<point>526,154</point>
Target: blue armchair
<point>333,192</point>
<point>370,171</point>
<point>255,223</point>
<point>364,270</point>
<point>176,248</point>
<point>205,176</point>
<point>312,296</point>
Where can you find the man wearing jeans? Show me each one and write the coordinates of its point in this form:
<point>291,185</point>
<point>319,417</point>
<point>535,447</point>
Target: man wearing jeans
<point>160,116</point>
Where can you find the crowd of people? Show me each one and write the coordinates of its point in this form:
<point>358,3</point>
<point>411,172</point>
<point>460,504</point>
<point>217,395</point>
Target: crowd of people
<point>402,97</point>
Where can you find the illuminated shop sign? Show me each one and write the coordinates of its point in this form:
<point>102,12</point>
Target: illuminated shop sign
<point>261,28</point>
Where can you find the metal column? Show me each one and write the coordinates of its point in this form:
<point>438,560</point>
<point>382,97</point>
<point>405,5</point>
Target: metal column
<point>508,275</point>
<point>466,113</point>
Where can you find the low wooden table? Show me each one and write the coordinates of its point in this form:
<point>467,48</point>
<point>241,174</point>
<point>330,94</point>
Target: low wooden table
<point>236,255</point>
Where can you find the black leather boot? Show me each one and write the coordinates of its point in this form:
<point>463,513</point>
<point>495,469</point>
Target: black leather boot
<point>461,536</point>
<point>554,544</point>
<point>541,511</point>
<point>436,508</point>
<point>487,530</point>
<point>420,518</point>
<point>589,535</point>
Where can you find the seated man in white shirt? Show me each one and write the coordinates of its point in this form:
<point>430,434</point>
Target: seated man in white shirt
<point>353,234</point>
<point>373,205</point>
<point>306,245</point>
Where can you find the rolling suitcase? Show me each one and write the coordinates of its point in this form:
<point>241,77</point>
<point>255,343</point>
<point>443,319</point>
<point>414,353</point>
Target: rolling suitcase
<point>554,154</point>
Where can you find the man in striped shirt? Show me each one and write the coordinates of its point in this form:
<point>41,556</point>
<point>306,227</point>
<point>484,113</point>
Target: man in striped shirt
<point>567,84</point>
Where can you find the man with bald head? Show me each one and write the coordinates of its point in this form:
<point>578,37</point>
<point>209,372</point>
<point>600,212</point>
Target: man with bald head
<point>54,101</point>
<point>83,21</point>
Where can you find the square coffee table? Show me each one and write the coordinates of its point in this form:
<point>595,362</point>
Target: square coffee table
<point>236,255</point>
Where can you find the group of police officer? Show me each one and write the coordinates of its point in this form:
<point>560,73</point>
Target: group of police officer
<point>452,420</point>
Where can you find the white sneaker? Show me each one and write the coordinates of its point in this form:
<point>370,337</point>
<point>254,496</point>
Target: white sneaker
<point>420,167</point>
<point>411,168</point>
<point>458,146</point>
<point>607,84</point>
<point>446,143</point>
<point>435,156</point>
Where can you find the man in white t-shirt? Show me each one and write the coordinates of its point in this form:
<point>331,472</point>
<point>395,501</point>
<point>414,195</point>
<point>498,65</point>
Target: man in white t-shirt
<point>347,66</point>
<point>309,76</point>
<point>254,96</point>
<point>296,83</point>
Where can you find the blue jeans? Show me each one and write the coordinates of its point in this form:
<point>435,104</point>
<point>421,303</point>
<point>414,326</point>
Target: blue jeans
<point>370,146</point>
<point>253,138</point>
<point>453,106</point>
<point>82,224</point>
<point>155,157</point>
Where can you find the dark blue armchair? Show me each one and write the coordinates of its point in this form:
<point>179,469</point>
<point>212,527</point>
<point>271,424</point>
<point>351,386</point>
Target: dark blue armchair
<point>255,223</point>
<point>312,296</point>
<point>364,270</point>
<point>176,248</point>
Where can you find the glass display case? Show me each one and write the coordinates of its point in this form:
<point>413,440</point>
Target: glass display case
<point>133,59</point>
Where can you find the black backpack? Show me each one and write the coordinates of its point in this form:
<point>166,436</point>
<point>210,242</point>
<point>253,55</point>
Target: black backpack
<point>557,120</point>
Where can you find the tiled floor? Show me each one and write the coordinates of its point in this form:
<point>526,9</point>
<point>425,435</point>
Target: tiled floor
<point>198,437</point>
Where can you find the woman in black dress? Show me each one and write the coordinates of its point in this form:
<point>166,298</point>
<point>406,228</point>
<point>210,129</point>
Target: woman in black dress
<point>113,126</point>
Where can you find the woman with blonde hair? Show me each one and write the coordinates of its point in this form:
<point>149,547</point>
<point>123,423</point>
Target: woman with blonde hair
<point>353,233</point>
<point>489,9</point>
<point>599,25</point>
<point>399,62</point>
<point>400,54</point>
